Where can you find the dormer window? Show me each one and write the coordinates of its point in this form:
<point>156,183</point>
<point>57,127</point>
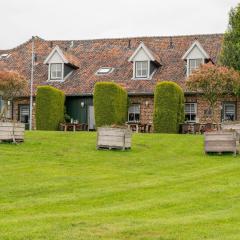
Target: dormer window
<point>144,62</point>
<point>56,71</point>
<point>195,56</point>
<point>60,65</point>
<point>141,69</point>
<point>194,64</point>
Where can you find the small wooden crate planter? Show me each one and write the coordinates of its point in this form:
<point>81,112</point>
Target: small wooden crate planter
<point>12,131</point>
<point>114,138</point>
<point>220,142</point>
<point>232,126</point>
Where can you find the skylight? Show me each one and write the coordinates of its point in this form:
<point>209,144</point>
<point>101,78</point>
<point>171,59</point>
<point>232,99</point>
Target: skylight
<point>104,70</point>
<point>4,56</point>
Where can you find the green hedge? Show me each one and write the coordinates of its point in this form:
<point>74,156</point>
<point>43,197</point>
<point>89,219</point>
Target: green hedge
<point>168,107</point>
<point>110,104</point>
<point>49,108</point>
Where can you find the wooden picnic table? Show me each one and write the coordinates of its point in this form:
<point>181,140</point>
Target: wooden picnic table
<point>199,127</point>
<point>139,127</point>
<point>73,127</point>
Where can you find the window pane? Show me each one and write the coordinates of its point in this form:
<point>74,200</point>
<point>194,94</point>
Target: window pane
<point>190,112</point>
<point>229,112</point>
<point>56,71</point>
<point>134,113</point>
<point>141,69</point>
<point>187,108</point>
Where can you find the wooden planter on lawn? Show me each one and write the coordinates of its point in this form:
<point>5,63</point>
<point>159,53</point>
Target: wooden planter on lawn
<point>12,132</point>
<point>220,142</point>
<point>114,138</point>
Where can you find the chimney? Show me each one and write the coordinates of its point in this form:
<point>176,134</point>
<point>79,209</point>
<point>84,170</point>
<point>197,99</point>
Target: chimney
<point>171,43</point>
<point>129,43</point>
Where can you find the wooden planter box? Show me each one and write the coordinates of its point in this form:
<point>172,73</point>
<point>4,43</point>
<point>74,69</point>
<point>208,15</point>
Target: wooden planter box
<point>220,142</point>
<point>232,126</point>
<point>114,138</point>
<point>10,131</point>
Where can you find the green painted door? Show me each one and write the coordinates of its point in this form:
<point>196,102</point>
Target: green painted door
<point>77,108</point>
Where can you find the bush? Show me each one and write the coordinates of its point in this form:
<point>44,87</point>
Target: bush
<point>49,108</point>
<point>110,104</point>
<point>168,107</point>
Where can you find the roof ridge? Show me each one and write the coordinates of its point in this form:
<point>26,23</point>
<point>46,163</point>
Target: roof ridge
<point>113,38</point>
<point>136,37</point>
<point>22,44</point>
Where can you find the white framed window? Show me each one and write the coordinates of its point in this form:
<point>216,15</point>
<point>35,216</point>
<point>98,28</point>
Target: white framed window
<point>24,113</point>
<point>134,113</point>
<point>141,69</point>
<point>229,111</point>
<point>194,64</point>
<point>190,112</point>
<point>56,71</point>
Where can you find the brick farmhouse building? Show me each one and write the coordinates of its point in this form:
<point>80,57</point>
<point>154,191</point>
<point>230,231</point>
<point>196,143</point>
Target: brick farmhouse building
<point>137,64</point>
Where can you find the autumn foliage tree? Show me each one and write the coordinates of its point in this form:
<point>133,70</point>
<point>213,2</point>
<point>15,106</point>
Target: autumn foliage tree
<point>214,82</point>
<point>12,85</point>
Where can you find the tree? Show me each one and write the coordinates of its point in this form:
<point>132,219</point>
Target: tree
<point>230,54</point>
<point>214,82</point>
<point>12,85</point>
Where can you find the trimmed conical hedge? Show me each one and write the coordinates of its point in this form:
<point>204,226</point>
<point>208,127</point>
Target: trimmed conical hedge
<point>110,104</point>
<point>168,107</point>
<point>49,108</point>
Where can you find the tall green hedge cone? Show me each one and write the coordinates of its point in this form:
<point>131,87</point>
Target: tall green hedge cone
<point>110,104</point>
<point>168,107</point>
<point>49,108</point>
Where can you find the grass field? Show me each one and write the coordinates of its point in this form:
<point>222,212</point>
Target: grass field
<point>57,186</point>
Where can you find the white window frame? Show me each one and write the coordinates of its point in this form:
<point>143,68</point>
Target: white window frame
<point>189,70</point>
<point>191,112</point>
<point>20,112</point>
<point>50,77</point>
<point>141,76</point>
<point>134,112</point>
<point>224,110</point>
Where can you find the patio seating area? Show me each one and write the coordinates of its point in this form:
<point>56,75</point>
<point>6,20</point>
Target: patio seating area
<point>139,127</point>
<point>199,128</point>
<point>73,127</point>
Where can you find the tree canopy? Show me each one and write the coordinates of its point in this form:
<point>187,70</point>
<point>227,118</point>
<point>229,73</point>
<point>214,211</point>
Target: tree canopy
<point>214,82</point>
<point>230,54</point>
<point>12,85</point>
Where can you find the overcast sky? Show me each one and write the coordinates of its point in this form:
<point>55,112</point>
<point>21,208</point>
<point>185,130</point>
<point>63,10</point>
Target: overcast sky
<point>87,19</point>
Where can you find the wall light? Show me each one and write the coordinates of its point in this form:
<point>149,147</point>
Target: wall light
<point>82,104</point>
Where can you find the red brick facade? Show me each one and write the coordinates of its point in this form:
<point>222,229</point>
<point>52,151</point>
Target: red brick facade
<point>16,105</point>
<point>147,105</point>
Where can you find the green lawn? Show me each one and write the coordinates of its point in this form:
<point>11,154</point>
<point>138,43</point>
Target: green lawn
<point>57,186</point>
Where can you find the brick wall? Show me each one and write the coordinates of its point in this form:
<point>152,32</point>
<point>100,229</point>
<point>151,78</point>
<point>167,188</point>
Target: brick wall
<point>23,101</point>
<point>202,106</point>
<point>146,108</point>
<point>147,102</point>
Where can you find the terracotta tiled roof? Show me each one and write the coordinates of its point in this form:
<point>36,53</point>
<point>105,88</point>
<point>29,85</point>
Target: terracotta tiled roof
<point>90,55</point>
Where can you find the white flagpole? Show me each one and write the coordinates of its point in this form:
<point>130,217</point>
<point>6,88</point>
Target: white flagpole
<point>31,86</point>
